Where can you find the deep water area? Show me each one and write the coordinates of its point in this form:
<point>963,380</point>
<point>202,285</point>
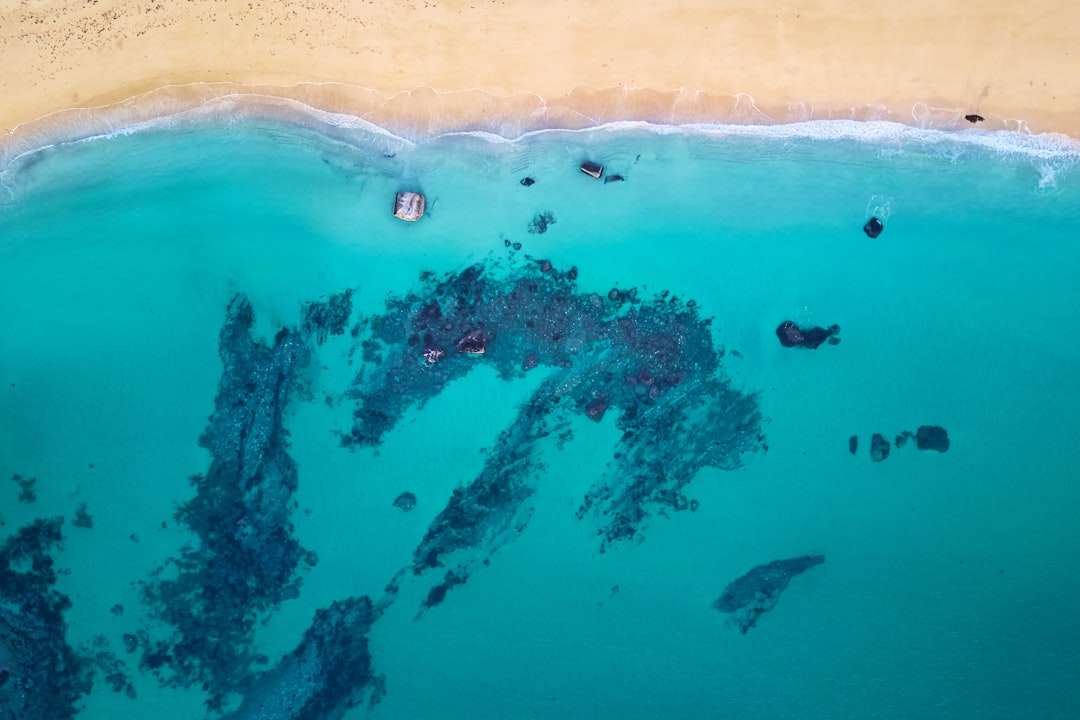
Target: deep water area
<point>565,447</point>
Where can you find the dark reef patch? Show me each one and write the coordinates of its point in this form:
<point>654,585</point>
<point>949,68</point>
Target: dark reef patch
<point>27,488</point>
<point>541,222</point>
<point>82,518</point>
<point>327,317</point>
<point>41,676</point>
<point>438,593</point>
<point>749,597</point>
<point>326,675</point>
<point>246,559</point>
<point>653,364</point>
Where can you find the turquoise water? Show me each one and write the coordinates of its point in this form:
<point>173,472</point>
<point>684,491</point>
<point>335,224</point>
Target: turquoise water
<point>949,586</point>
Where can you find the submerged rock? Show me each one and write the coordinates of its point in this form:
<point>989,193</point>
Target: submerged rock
<point>853,444</point>
<point>879,448</point>
<point>406,501</point>
<point>873,227</point>
<point>541,222</point>
<point>932,437</point>
<point>749,597</point>
<point>791,335</point>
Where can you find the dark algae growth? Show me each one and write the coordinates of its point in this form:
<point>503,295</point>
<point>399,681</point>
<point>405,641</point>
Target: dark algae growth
<point>41,676</point>
<point>246,558</point>
<point>749,597</point>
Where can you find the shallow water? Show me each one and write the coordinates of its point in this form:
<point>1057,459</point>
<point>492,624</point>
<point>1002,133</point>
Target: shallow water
<point>947,588</point>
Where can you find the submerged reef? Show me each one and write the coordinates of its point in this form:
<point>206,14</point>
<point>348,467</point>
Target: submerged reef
<point>246,559</point>
<point>41,676</point>
<point>328,673</point>
<point>757,592</point>
<point>652,364</point>
<point>328,317</point>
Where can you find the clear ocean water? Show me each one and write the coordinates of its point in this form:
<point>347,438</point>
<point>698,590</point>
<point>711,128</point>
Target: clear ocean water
<point>949,587</point>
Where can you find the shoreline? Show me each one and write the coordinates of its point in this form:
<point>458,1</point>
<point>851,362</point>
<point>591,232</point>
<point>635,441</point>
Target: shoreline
<point>423,115</point>
<point>555,63</point>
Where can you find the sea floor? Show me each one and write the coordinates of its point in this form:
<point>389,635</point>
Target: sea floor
<point>947,587</point>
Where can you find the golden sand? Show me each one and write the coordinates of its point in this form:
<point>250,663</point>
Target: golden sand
<point>513,65</point>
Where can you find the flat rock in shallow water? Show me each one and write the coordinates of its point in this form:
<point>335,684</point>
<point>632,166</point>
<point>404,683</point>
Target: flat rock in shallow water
<point>755,593</point>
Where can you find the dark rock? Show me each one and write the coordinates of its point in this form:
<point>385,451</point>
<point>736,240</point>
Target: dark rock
<point>974,118</point>
<point>879,448</point>
<point>595,410</point>
<point>749,597</point>
<point>472,343</point>
<point>791,335</point>
<point>902,438</point>
<point>527,181</point>
<point>592,169</point>
<point>406,501</point>
<point>873,227</point>
<point>517,246</point>
<point>853,444</point>
<point>541,222</point>
<point>932,437</point>
<point>117,609</point>
<point>131,643</point>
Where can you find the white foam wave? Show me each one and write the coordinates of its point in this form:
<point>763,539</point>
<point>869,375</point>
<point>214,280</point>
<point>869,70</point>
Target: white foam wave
<point>80,125</point>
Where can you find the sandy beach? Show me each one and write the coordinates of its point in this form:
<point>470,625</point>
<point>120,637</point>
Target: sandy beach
<point>513,66</point>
